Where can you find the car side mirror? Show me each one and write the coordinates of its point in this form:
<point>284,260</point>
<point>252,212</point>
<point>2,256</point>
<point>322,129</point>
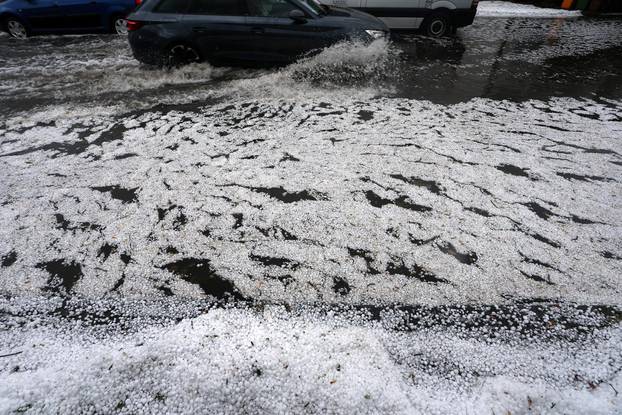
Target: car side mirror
<point>298,16</point>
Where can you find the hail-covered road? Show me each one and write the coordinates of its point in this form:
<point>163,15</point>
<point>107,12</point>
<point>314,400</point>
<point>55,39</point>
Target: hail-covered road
<point>415,227</point>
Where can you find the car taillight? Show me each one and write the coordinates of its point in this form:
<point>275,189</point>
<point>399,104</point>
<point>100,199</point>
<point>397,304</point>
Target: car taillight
<point>138,2</point>
<point>133,25</point>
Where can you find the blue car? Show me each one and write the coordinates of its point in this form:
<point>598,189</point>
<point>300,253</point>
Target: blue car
<point>22,18</point>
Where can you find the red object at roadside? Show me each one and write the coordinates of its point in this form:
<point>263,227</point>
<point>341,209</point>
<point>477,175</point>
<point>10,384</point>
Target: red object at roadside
<point>567,4</point>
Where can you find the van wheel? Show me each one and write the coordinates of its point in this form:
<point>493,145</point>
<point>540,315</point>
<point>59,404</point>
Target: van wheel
<point>119,26</point>
<point>180,55</point>
<point>16,28</point>
<point>436,25</point>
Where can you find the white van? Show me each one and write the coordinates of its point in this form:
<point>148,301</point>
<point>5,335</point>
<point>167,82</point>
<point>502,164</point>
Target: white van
<point>435,17</point>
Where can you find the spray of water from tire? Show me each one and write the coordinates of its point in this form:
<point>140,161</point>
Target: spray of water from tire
<point>347,64</point>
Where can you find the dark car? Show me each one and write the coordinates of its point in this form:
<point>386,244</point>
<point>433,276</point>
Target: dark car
<point>21,18</point>
<point>175,32</point>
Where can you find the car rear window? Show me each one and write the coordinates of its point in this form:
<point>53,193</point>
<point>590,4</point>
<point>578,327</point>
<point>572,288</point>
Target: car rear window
<point>172,6</point>
<point>218,7</point>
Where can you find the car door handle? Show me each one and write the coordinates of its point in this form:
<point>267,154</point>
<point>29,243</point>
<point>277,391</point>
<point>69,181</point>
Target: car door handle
<point>200,30</point>
<point>258,30</point>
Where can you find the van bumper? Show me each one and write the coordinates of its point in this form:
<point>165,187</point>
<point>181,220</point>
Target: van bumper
<point>463,17</point>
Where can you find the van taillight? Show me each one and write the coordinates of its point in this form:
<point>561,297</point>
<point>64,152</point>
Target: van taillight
<point>133,25</point>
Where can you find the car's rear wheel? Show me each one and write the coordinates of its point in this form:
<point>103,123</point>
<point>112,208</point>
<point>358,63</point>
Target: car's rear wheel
<point>437,25</point>
<point>180,55</point>
<point>119,25</point>
<point>16,28</point>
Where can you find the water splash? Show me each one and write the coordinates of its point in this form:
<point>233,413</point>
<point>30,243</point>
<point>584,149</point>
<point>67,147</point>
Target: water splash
<point>347,63</point>
<point>347,69</point>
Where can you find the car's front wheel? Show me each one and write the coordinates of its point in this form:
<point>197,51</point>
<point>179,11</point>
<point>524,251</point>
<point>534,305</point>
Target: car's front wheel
<point>119,26</point>
<point>436,25</point>
<point>16,28</point>
<point>180,55</point>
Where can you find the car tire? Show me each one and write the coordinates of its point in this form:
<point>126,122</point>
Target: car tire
<point>436,25</point>
<point>180,55</point>
<point>16,28</point>
<point>119,26</point>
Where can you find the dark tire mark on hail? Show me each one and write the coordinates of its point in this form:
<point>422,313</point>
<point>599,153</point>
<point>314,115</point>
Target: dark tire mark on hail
<point>402,201</point>
<point>431,185</point>
<point>199,271</point>
<point>513,170</point>
<point>269,261</point>
<point>119,193</point>
<point>341,286</point>
<point>9,259</point>
<point>286,196</point>
<point>536,278</point>
<point>105,250</point>
<point>468,258</point>
<point>367,257</point>
<point>63,275</point>
<point>398,267</point>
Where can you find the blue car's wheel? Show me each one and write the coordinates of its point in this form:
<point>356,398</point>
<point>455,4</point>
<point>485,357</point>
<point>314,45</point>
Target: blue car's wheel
<point>16,28</point>
<point>119,26</point>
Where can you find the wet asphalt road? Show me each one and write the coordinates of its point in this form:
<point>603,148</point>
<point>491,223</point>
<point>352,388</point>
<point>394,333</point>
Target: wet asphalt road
<point>419,227</point>
<point>516,59</point>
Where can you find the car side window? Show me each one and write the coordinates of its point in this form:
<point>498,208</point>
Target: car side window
<point>218,7</point>
<point>172,6</point>
<point>271,8</point>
